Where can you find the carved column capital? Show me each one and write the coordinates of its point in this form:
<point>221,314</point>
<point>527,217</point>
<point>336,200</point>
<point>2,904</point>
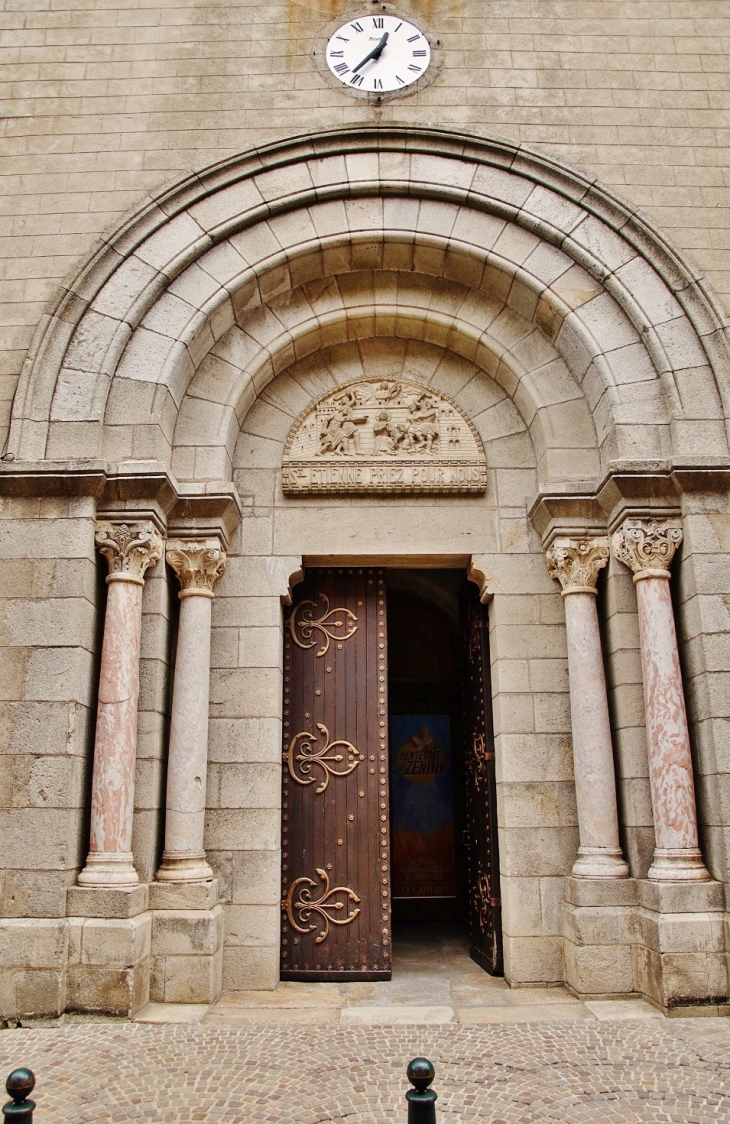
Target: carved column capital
<point>129,548</point>
<point>198,564</point>
<point>647,546</point>
<point>575,563</point>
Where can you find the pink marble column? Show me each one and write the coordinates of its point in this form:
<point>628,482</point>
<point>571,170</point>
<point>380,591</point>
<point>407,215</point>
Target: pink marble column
<point>647,547</point>
<point>129,550</point>
<point>198,565</point>
<point>575,564</point>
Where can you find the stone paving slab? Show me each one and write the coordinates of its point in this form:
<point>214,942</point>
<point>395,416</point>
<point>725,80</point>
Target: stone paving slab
<point>631,1071</point>
<point>526,1013</point>
<point>396,1016</point>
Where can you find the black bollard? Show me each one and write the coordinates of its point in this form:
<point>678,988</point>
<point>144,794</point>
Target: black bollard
<point>421,1099</point>
<point>19,1086</point>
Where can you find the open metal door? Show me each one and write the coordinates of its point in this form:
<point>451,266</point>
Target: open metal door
<point>485,903</point>
<point>336,915</point>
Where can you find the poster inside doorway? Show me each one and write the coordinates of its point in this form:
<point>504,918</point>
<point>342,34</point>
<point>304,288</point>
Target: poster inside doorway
<point>422,821</point>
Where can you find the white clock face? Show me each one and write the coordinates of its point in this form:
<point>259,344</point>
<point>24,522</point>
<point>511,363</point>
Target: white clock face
<point>378,54</point>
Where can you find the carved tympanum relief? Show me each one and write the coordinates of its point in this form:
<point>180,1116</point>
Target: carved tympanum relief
<point>382,435</point>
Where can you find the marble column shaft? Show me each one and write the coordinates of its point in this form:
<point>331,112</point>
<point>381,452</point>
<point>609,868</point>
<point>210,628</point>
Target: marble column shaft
<point>198,565</point>
<point>575,564</point>
<point>647,547</point>
<point>129,550</point>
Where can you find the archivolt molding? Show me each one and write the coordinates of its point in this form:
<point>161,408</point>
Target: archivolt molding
<point>152,298</point>
<point>491,336</point>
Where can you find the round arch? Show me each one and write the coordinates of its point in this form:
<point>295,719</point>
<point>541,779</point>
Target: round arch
<point>630,326</point>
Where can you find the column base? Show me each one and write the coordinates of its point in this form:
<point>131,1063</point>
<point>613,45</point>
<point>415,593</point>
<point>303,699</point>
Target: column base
<point>599,862</point>
<point>184,866</point>
<point>683,864</point>
<point>108,870</point>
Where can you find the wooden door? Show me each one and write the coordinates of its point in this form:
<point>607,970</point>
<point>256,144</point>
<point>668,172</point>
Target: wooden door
<point>336,916</point>
<point>480,837</point>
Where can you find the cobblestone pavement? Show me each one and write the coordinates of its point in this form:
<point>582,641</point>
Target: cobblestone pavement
<point>619,1071</point>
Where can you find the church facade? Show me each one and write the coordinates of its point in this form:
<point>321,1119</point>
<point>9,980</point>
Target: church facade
<point>364,404</point>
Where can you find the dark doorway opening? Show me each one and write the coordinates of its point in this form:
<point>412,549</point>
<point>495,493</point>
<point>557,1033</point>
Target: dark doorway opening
<point>444,862</point>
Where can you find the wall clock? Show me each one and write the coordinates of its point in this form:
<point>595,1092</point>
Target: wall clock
<point>378,54</point>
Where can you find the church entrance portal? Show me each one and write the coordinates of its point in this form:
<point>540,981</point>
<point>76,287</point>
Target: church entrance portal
<point>389,805</point>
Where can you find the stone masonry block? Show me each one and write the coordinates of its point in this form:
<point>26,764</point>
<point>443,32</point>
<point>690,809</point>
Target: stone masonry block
<point>184,896</point>
<point>603,970</point>
<point>250,968</point>
<point>32,993</point>
<point>187,932</point>
<point>112,943</point>
<point>88,901</point>
<point>187,979</point>
<point>109,991</point>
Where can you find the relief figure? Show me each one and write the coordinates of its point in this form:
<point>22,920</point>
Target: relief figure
<point>340,434</point>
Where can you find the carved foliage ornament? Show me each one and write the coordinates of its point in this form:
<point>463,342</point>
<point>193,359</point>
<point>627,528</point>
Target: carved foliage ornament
<point>129,548</point>
<point>300,906</point>
<point>575,562</point>
<point>646,544</point>
<point>333,624</point>
<point>382,435</point>
<point>303,756</point>
<point>198,564</point>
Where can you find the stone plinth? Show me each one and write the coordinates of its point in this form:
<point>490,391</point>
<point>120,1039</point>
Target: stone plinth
<point>599,929</point>
<point>680,956</point>
<point>109,964</point>
<point>187,960</point>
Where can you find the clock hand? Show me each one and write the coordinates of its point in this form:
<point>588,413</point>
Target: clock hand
<point>374,54</point>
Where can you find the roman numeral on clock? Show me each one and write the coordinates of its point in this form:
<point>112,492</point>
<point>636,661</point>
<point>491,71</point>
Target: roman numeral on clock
<point>356,80</point>
<point>377,21</point>
<point>357,26</point>
<point>337,54</point>
<point>413,38</point>
<point>415,69</point>
<point>377,84</point>
<point>419,54</point>
<point>342,68</point>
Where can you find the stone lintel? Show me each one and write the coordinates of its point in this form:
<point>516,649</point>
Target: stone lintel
<point>90,901</point>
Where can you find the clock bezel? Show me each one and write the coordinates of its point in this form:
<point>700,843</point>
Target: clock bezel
<point>321,42</point>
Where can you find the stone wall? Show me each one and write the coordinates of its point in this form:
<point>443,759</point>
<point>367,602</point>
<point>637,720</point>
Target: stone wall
<point>103,103</point>
<point>592,363</point>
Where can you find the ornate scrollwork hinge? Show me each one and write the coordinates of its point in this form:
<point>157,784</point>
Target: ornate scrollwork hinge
<point>302,618</point>
<point>299,899</point>
<point>302,753</point>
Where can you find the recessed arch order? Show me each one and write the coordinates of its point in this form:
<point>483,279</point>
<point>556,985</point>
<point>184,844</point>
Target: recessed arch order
<point>604,337</point>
